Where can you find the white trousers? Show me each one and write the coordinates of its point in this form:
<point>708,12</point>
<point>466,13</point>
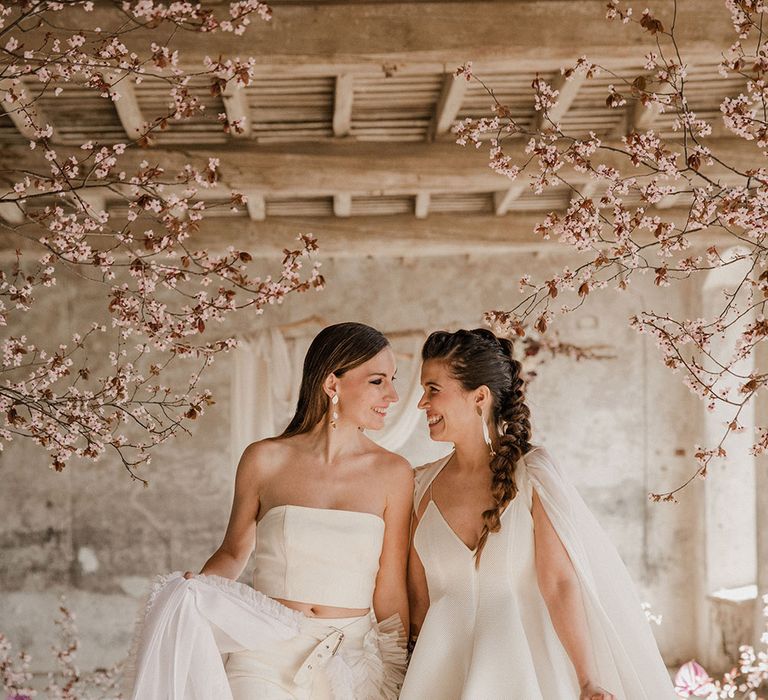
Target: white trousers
<point>294,669</point>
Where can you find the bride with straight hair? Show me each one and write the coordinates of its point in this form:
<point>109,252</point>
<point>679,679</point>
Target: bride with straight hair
<point>325,513</point>
<point>516,592</point>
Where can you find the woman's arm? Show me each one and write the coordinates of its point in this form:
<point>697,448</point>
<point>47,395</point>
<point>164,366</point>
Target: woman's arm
<point>418,592</point>
<point>561,590</point>
<point>230,558</point>
<point>390,595</point>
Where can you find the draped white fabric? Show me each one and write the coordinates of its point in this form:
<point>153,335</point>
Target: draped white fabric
<point>188,625</point>
<point>265,387</point>
<point>628,660</point>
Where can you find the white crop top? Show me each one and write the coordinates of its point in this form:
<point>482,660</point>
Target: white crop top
<point>318,555</point>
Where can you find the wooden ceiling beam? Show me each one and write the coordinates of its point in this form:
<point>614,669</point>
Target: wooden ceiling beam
<point>398,235</point>
<point>364,169</point>
<point>12,213</point>
<point>127,106</point>
<point>503,200</point>
<point>421,205</point>
<point>15,111</point>
<point>342,105</point>
<point>256,205</point>
<point>404,34</point>
<point>342,204</point>
<point>236,105</point>
<point>448,105</point>
<point>568,89</point>
<point>586,190</point>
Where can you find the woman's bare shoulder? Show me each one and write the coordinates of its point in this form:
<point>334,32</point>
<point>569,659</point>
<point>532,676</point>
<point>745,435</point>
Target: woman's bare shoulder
<point>265,455</point>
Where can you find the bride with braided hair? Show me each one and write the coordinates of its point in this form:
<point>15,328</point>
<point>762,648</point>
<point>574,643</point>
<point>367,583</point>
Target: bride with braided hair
<point>516,593</point>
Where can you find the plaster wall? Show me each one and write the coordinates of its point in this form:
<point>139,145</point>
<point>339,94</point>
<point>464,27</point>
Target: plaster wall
<point>622,427</point>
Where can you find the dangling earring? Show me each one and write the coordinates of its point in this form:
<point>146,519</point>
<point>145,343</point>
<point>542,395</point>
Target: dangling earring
<point>334,413</point>
<point>486,433</point>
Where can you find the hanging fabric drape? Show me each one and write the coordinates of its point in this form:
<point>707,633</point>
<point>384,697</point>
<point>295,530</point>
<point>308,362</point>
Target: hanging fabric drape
<point>265,386</point>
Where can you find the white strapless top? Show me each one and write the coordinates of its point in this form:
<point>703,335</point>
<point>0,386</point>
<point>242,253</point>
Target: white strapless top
<point>318,555</point>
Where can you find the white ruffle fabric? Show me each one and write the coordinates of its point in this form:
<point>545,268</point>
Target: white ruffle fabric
<point>188,624</point>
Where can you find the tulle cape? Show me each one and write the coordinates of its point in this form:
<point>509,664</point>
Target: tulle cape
<point>628,660</point>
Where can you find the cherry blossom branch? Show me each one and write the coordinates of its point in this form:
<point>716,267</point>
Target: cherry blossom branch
<point>617,227</point>
<point>162,291</point>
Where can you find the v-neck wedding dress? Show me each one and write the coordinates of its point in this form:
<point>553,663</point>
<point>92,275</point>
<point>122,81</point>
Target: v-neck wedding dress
<point>488,634</point>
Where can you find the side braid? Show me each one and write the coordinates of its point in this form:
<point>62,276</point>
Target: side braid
<point>512,416</point>
<point>478,358</point>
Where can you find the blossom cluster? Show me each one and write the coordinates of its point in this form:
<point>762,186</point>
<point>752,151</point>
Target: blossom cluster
<point>664,207</point>
<point>67,681</point>
<point>164,291</point>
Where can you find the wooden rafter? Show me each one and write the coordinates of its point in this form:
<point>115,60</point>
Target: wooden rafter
<point>448,105</point>
<point>127,106</point>
<point>342,106</point>
<point>94,198</point>
<point>15,112</point>
<point>503,200</point>
<point>236,106</point>
<point>568,89</point>
<point>342,204</point>
<point>12,213</point>
<point>421,205</point>
<point>257,207</point>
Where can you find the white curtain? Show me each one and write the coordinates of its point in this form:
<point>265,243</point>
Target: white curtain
<point>265,386</point>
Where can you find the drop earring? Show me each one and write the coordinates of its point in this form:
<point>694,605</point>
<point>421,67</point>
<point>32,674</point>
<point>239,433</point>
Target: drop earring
<point>334,412</point>
<point>486,432</point>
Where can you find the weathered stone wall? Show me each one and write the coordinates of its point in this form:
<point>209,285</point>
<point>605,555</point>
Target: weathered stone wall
<point>622,427</point>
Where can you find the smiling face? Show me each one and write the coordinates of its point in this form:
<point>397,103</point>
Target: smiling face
<point>366,391</point>
<point>451,409</point>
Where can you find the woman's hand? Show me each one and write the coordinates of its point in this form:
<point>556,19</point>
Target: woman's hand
<point>591,691</point>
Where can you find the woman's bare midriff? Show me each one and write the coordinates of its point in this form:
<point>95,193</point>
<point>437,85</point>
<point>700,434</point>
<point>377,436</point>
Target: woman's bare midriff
<point>311,610</point>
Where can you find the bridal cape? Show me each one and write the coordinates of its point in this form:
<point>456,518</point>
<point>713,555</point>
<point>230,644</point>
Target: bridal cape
<point>628,659</point>
<point>188,624</point>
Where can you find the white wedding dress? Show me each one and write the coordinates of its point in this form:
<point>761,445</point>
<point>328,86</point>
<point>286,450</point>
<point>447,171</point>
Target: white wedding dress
<point>488,634</point>
<point>209,638</point>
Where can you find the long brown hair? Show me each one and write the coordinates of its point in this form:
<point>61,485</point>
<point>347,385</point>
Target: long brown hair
<point>335,350</point>
<point>478,358</point>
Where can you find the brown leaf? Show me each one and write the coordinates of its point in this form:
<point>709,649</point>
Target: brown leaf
<point>552,288</point>
<point>750,386</point>
<point>651,24</point>
<point>200,325</point>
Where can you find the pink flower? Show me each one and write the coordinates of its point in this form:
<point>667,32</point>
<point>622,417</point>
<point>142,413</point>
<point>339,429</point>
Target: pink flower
<point>693,681</point>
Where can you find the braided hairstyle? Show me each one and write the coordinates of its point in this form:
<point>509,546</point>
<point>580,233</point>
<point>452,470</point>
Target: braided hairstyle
<point>476,358</point>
